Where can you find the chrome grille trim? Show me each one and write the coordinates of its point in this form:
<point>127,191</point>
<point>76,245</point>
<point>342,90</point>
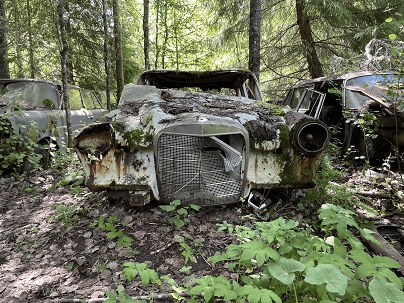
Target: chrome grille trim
<point>201,170</point>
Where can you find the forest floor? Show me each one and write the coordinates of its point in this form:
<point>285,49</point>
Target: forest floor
<point>49,252</point>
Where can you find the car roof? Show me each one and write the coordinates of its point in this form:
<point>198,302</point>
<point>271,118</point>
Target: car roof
<point>215,79</point>
<point>341,77</point>
<point>36,81</point>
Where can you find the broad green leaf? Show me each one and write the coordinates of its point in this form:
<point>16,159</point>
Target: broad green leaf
<point>176,202</point>
<point>284,269</point>
<point>112,234</point>
<point>389,19</point>
<point>141,266</point>
<point>383,291</point>
<point>182,211</point>
<point>329,274</point>
<point>195,207</point>
<point>208,293</point>
<point>129,273</point>
<point>368,234</point>
<point>178,222</point>
<point>380,261</point>
<point>167,207</point>
<point>337,260</point>
<point>355,287</point>
<point>263,296</point>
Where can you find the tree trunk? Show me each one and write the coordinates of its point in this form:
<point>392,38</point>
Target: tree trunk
<point>69,63</point>
<point>118,50</point>
<point>63,58</point>
<point>255,37</point>
<point>306,36</point>
<point>157,36</point>
<point>165,36</point>
<point>31,41</point>
<point>176,42</point>
<point>106,54</point>
<point>4,69</point>
<point>20,70</point>
<point>146,42</point>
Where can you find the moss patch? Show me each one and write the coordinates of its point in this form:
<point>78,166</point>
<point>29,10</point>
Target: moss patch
<point>289,173</point>
<point>48,103</point>
<point>275,109</point>
<point>32,133</point>
<point>138,136</point>
<point>284,136</point>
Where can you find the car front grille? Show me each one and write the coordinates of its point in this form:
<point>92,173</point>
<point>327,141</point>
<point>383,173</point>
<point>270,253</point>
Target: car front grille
<point>198,170</point>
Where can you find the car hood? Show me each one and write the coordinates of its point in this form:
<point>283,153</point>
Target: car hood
<point>157,109</point>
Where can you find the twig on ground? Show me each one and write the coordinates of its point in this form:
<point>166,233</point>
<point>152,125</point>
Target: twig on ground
<point>162,249</point>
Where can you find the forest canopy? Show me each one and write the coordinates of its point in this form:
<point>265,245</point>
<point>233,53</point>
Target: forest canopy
<point>299,39</point>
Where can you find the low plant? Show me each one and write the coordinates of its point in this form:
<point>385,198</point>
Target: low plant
<point>107,224</point>
<point>68,214</point>
<point>279,262</point>
<point>180,213</point>
<point>17,151</point>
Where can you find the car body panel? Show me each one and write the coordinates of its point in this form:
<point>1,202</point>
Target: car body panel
<point>197,147</point>
<point>40,108</point>
<point>351,99</point>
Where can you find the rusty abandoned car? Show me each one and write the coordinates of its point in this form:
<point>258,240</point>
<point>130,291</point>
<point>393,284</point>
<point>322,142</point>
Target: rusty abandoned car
<point>205,138</point>
<point>33,108</point>
<point>366,106</point>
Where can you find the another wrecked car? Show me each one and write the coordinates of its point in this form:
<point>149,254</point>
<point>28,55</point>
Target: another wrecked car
<point>205,138</point>
<point>32,108</point>
<point>366,106</point>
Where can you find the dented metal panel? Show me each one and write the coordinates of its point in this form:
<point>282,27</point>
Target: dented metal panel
<point>198,147</point>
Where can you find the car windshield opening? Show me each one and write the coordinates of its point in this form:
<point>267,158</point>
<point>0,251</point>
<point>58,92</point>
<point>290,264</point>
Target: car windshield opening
<point>376,85</point>
<point>31,92</point>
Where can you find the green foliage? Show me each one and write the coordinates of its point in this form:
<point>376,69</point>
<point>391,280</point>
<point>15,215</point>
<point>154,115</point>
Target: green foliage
<point>187,252</point>
<point>147,275</point>
<point>180,213</point>
<point>68,214</point>
<point>107,224</point>
<point>17,148</point>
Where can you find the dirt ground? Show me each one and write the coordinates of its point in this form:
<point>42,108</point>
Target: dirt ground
<point>43,259</point>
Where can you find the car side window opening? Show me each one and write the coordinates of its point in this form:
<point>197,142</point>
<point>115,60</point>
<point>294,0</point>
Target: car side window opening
<point>97,102</point>
<point>292,99</point>
<point>311,103</point>
<point>89,100</point>
<point>75,99</point>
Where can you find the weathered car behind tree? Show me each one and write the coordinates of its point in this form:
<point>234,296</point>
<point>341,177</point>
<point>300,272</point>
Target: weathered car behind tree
<point>32,108</point>
<point>206,138</point>
<point>366,106</point>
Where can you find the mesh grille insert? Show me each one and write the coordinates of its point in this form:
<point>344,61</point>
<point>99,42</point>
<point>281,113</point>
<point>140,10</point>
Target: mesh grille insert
<point>198,170</point>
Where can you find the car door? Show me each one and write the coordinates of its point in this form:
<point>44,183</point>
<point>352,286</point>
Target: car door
<point>311,103</point>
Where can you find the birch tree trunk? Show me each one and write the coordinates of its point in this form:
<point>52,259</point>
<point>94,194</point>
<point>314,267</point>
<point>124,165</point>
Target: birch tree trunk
<point>255,37</point>
<point>63,58</point>
<point>306,36</point>
<point>146,42</point>
<point>4,69</point>
<point>106,53</point>
<point>118,50</point>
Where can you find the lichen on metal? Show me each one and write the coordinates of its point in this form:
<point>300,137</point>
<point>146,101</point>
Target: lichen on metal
<point>197,147</point>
